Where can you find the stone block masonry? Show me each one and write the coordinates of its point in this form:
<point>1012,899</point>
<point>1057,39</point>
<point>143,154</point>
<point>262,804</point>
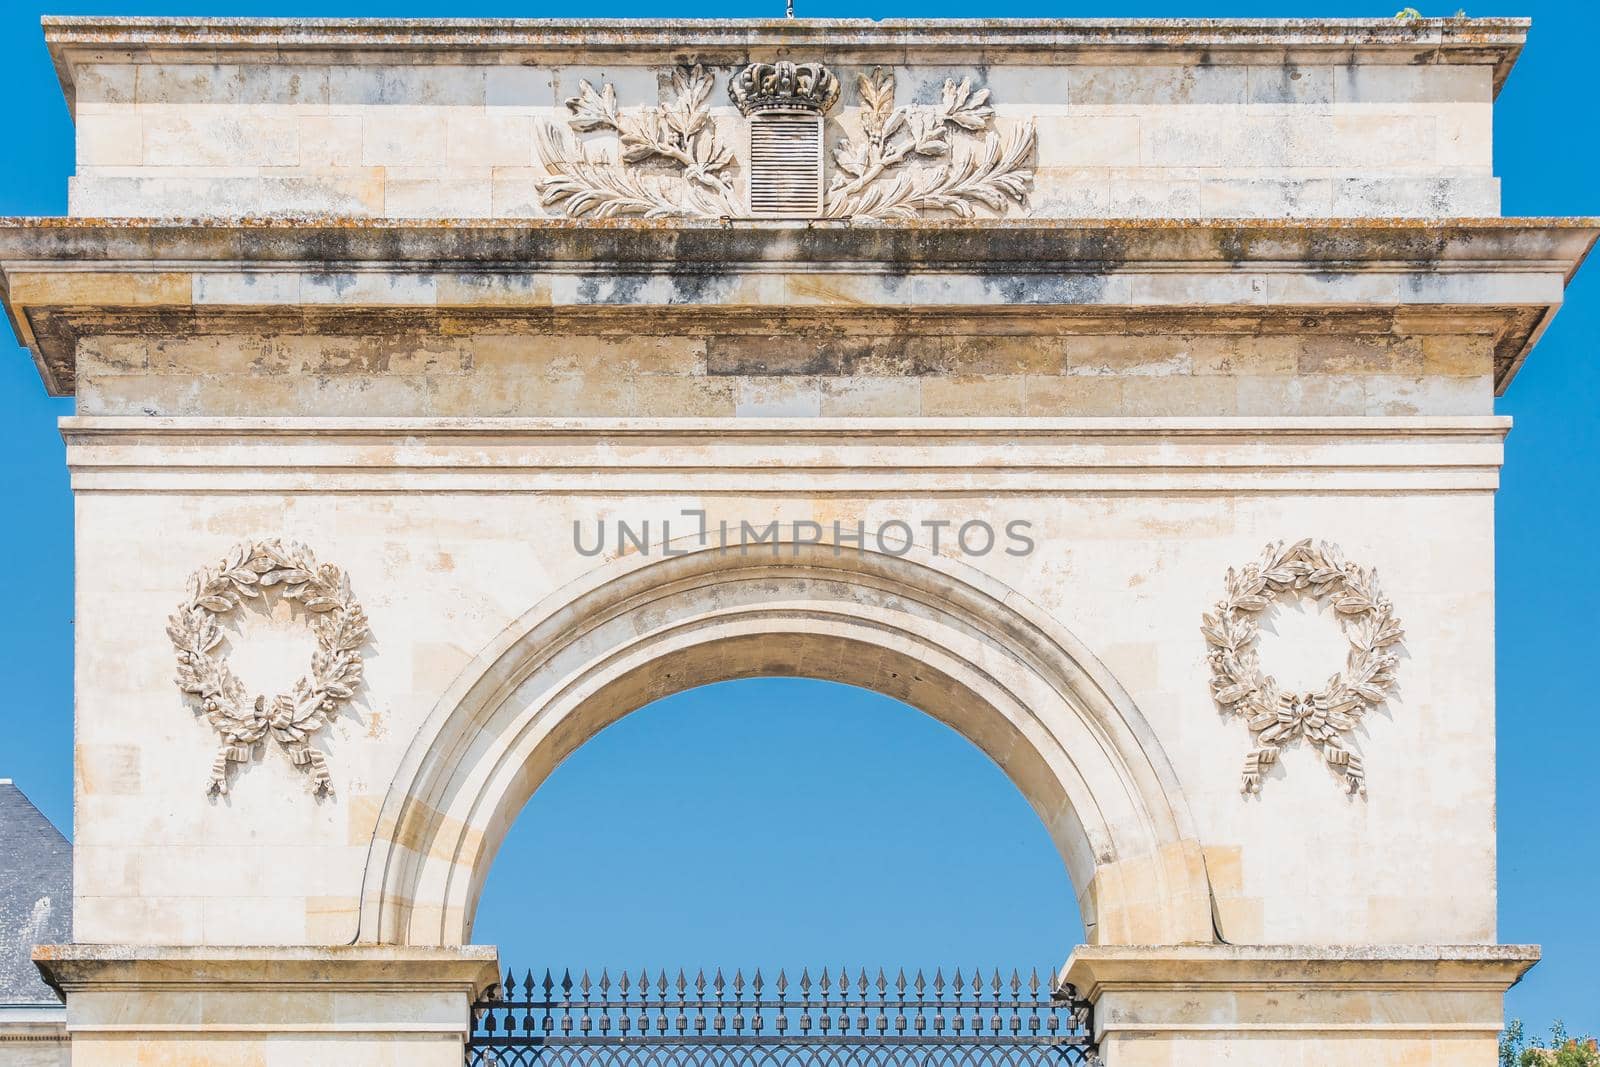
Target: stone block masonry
<point>377,313</point>
<point>1140,120</point>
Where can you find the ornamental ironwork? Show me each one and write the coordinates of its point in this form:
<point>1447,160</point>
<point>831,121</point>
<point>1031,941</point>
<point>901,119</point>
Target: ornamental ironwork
<point>840,1018</point>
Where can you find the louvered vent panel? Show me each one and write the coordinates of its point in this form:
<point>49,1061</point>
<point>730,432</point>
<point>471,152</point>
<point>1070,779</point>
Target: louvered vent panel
<point>785,165</point>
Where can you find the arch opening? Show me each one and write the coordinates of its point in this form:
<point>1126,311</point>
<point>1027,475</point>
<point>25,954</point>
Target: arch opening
<point>928,631</point>
<point>778,822</point>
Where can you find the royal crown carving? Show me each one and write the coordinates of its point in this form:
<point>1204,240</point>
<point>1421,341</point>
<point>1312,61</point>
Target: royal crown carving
<point>784,87</point>
<point>675,159</point>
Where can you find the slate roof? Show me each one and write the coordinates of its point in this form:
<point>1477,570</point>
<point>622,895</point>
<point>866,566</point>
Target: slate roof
<point>35,896</point>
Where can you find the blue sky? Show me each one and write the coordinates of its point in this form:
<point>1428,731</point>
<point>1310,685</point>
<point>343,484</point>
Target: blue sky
<point>757,822</point>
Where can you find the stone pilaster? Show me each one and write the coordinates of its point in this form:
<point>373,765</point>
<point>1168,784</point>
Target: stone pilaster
<point>354,1006</point>
<point>1298,1005</point>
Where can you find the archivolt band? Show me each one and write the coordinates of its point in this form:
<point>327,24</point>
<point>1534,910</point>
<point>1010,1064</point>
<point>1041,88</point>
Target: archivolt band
<point>835,1020</point>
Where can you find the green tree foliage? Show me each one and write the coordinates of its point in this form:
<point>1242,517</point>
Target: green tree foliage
<point>1516,1050</point>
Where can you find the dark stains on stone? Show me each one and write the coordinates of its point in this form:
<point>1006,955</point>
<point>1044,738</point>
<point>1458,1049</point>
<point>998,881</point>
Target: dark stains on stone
<point>1047,288</point>
<point>701,286</point>
<point>611,288</point>
<point>1280,90</point>
<point>1234,246</point>
<point>779,355</point>
<point>827,352</point>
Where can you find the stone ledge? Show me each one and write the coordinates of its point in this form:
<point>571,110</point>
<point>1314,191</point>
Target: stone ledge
<point>83,427</point>
<point>1311,1005</point>
<point>1494,42</point>
<point>78,968</point>
<point>779,456</point>
<point>1094,969</point>
<point>1003,245</point>
<point>66,278</point>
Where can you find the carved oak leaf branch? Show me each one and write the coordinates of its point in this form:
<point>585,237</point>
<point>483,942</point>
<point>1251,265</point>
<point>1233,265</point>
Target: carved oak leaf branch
<point>680,133</point>
<point>891,135</point>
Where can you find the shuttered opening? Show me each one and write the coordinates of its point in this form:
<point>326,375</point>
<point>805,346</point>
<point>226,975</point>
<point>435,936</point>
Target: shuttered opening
<point>785,164</point>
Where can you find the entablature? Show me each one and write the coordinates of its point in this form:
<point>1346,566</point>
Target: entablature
<point>67,279</point>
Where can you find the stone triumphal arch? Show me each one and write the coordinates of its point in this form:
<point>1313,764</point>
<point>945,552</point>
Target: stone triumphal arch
<point>942,637</point>
<point>448,390</point>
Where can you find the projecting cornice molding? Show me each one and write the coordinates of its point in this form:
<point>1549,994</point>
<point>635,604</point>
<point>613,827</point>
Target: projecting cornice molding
<point>997,457</point>
<point>67,278</point>
<point>732,42</point>
<point>1514,244</point>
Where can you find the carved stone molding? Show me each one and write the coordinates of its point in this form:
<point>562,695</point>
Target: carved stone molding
<point>1325,717</point>
<point>784,87</point>
<point>241,722</point>
<point>908,161</point>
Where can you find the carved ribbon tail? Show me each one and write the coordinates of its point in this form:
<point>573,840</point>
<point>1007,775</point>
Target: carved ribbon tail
<point>301,754</point>
<point>218,785</point>
<point>1348,764</point>
<point>1255,764</point>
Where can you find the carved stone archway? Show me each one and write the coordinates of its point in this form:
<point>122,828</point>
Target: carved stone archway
<point>926,630</point>
<point>423,294</point>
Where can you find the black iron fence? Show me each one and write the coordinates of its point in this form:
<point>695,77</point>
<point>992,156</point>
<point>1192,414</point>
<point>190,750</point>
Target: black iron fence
<point>835,1020</point>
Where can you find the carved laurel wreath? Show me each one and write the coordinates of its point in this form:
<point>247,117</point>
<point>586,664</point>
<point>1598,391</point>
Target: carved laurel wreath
<point>337,621</point>
<point>1323,718</point>
<point>673,164</point>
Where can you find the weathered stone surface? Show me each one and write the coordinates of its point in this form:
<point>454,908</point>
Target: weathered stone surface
<point>1388,1005</point>
<point>443,404</point>
<point>901,300</point>
<point>1364,118</point>
<point>363,1005</point>
<point>545,372</point>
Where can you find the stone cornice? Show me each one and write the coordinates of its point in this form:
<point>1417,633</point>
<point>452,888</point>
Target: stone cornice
<point>352,968</point>
<point>64,278</point>
<point>1285,990</point>
<point>1042,245</point>
<point>754,457</point>
<point>821,430</point>
<point>78,39</point>
<point>1278,967</point>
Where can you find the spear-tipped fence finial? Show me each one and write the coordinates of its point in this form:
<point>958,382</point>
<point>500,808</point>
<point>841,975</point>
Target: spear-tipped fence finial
<point>872,1017</point>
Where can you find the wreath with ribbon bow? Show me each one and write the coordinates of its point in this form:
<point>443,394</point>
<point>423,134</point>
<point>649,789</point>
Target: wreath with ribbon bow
<point>337,621</point>
<point>1277,717</point>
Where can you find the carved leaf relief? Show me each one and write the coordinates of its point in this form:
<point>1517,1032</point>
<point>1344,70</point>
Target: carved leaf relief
<point>248,573</point>
<point>908,160</point>
<point>679,135</point>
<point>1324,718</point>
<point>872,181</point>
